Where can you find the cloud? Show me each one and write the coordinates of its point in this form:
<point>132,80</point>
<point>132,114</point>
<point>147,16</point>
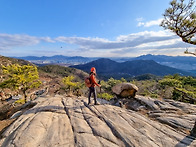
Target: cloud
<point>19,40</point>
<point>122,41</point>
<point>140,19</point>
<point>84,42</point>
<point>171,47</point>
<point>149,23</point>
<point>129,45</point>
<point>46,39</point>
<point>123,45</point>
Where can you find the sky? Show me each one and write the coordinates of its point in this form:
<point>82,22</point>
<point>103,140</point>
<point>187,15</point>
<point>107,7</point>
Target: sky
<point>89,28</point>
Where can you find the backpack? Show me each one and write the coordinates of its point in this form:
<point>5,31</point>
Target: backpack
<point>87,81</point>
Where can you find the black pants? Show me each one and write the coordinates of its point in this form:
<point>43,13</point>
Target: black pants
<point>92,90</point>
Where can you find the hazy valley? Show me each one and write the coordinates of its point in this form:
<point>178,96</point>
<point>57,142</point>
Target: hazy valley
<point>178,62</point>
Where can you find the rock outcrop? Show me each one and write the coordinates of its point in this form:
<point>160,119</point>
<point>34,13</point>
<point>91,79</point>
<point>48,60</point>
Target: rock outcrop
<point>176,114</point>
<point>67,121</point>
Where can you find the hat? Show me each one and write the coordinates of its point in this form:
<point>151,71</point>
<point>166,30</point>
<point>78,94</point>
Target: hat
<point>92,69</point>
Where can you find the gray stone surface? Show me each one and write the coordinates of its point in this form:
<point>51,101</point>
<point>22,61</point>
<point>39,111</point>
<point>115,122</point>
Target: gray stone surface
<point>176,114</point>
<point>68,121</point>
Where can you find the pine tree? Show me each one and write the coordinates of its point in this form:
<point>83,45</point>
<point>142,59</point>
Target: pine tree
<point>68,81</point>
<point>180,18</point>
<point>20,77</point>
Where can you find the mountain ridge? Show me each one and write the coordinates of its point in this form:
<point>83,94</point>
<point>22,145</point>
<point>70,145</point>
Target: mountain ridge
<point>187,63</point>
<point>109,68</point>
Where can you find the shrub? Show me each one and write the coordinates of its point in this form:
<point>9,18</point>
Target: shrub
<point>170,82</point>
<point>20,101</point>
<point>105,96</point>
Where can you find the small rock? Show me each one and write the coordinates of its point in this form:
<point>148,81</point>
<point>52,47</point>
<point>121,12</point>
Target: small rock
<point>15,115</point>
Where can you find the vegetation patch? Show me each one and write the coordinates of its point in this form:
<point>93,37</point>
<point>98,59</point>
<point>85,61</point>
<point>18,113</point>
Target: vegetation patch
<point>105,96</point>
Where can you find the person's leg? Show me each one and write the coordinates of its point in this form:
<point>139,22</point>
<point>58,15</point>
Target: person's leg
<point>95,96</point>
<point>89,95</point>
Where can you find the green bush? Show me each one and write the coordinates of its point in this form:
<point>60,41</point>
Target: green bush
<point>184,87</point>
<point>170,82</point>
<point>20,101</point>
<point>107,86</point>
<point>153,95</point>
<point>105,96</point>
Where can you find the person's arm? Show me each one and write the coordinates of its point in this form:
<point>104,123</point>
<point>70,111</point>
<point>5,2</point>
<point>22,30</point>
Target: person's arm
<point>94,81</point>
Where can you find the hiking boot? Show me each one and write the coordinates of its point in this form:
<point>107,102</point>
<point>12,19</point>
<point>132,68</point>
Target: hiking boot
<point>96,103</point>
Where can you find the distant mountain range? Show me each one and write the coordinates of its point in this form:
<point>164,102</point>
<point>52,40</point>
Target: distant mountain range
<point>57,59</point>
<point>107,68</point>
<point>179,62</point>
<point>186,63</point>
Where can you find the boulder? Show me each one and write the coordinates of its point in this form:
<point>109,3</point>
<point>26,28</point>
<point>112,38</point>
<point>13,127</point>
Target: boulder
<point>125,90</point>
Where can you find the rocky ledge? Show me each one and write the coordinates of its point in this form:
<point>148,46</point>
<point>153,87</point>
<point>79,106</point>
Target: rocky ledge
<point>69,121</point>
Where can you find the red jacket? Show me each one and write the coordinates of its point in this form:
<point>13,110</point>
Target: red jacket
<point>93,80</point>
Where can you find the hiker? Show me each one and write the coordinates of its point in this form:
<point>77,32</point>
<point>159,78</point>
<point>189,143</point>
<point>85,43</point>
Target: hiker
<point>92,87</point>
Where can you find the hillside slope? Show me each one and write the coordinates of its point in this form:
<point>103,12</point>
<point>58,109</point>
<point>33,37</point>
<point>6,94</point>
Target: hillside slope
<point>69,121</point>
<point>57,70</point>
<point>50,76</point>
<point>7,60</point>
<point>54,70</point>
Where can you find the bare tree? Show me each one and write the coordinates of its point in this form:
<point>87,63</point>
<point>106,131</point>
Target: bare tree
<point>187,52</point>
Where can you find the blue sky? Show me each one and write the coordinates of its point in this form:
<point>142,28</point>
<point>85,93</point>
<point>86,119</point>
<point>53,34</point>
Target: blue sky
<point>91,28</point>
